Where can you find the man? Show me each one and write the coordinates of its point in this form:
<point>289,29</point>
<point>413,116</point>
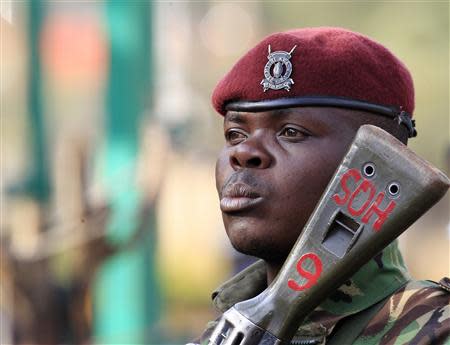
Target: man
<point>291,107</point>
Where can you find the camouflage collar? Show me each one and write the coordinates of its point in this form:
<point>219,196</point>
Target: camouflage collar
<point>379,278</point>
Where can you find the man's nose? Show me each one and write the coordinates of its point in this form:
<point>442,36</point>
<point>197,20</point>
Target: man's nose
<point>250,154</point>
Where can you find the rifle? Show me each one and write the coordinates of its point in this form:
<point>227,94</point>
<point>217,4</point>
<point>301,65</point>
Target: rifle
<point>380,188</point>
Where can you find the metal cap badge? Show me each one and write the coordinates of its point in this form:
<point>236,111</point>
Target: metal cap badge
<point>278,70</point>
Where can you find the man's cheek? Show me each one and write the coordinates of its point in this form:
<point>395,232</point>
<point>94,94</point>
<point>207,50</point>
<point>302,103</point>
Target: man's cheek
<point>220,172</point>
<point>293,212</point>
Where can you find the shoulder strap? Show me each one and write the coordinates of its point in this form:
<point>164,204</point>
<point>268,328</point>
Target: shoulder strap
<point>351,327</point>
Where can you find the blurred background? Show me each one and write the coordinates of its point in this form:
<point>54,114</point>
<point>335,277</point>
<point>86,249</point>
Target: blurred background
<point>110,226</point>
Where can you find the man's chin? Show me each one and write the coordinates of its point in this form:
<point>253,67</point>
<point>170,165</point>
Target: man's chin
<point>259,249</point>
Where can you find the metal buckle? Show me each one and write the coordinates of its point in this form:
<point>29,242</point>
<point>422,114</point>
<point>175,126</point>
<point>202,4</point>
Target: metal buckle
<point>403,118</point>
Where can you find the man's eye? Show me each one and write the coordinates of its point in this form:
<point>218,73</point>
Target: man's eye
<point>234,137</point>
<point>292,133</point>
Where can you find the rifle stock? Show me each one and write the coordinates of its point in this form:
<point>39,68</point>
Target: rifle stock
<point>379,189</point>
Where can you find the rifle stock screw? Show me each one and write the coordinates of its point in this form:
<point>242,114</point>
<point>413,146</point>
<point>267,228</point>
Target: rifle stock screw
<point>393,189</point>
<point>369,169</point>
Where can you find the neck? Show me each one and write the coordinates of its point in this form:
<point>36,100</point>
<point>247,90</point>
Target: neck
<point>272,270</point>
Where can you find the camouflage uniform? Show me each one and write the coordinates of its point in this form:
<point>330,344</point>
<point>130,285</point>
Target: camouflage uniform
<point>412,312</point>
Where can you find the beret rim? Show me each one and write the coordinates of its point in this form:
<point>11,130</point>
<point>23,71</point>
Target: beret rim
<point>394,112</point>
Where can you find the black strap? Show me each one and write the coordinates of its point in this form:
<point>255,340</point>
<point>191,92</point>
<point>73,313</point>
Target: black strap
<point>326,101</point>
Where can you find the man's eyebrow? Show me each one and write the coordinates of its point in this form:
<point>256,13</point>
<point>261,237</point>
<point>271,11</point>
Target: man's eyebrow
<point>234,117</point>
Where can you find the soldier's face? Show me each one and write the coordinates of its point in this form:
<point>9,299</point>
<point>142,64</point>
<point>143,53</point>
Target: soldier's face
<point>272,171</point>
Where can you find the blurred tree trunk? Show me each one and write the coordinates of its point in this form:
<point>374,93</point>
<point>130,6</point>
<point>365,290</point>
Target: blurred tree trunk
<point>37,185</point>
<point>126,298</point>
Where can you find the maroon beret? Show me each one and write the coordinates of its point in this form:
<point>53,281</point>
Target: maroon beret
<point>317,66</point>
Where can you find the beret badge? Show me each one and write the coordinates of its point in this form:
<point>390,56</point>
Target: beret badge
<point>277,71</point>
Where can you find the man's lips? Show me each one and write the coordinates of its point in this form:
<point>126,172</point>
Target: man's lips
<point>238,197</point>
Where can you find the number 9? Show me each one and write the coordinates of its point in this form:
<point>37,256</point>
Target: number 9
<point>311,277</point>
